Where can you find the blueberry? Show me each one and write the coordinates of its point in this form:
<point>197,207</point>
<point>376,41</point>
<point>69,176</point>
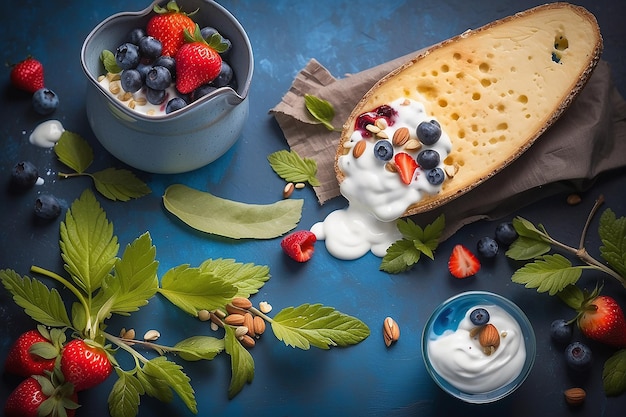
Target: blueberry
<point>229,46</point>
<point>505,233</point>
<point>135,35</point>
<point>131,80</point>
<point>428,159</point>
<point>428,132</point>
<point>143,69</point>
<point>561,331</point>
<point>150,47</point>
<point>479,316</point>
<point>578,356</point>
<point>202,91</point>
<point>127,55</point>
<point>435,176</point>
<point>45,101</point>
<point>487,247</point>
<point>224,77</point>
<point>207,32</point>
<point>47,207</point>
<point>167,62</point>
<point>383,150</point>
<point>158,78</point>
<point>174,104</point>
<point>23,176</point>
<point>155,96</point>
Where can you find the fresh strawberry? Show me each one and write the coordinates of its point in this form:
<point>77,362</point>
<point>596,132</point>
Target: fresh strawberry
<point>168,26</point>
<point>602,319</point>
<point>198,62</point>
<point>299,245</point>
<point>31,354</point>
<point>463,263</point>
<point>38,393</point>
<point>27,75</point>
<point>85,364</point>
<point>406,165</point>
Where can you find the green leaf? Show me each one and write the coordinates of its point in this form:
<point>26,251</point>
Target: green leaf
<point>317,325</point>
<point>320,109</point>
<point>207,213</point>
<point>197,348</point>
<point>400,257</point>
<point>155,387</point>
<point>40,303</point>
<point>108,60</point>
<point>191,289</point>
<point>172,374</point>
<point>88,245</point>
<point>74,151</point>
<point>526,228</point>
<point>293,168</point>
<point>572,296</point>
<point>524,248</point>
<point>247,278</point>
<point>551,273</point>
<point>613,235</point>
<point>614,374</point>
<point>241,363</point>
<point>119,184</point>
<point>124,397</point>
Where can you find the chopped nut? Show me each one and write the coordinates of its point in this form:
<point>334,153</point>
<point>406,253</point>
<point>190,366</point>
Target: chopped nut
<point>412,145</point>
<point>265,307</point>
<point>204,315</point>
<point>573,199</point>
<point>300,185</point>
<point>372,128</point>
<point>288,190</point>
<point>151,335</point>
<point>381,123</point>
<point>240,331</point>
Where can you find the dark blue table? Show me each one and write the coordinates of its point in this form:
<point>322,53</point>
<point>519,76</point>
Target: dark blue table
<point>367,379</point>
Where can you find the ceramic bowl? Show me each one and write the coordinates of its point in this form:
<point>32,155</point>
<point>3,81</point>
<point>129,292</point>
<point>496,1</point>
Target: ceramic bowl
<point>183,140</point>
<point>462,371</point>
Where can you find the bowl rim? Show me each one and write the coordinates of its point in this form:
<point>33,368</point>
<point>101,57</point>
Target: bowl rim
<point>227,92</point>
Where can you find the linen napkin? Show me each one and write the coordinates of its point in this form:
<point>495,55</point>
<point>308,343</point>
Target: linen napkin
<point>587,140</point>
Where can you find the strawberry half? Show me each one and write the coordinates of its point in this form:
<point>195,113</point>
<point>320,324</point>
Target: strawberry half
<point>37,396</point>
<point>25,355</point>
<point>406,165</point>
<point>299,245</point>
<point>84,365</point>
<point>168,26</point>
<point>463,263</point>
<point>602,319</point>
<point>27,75</point>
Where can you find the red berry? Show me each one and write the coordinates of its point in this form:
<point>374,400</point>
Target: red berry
<point>602,319</point>
<point>463,263</point>
<point>406,165</point>
<point>196,64</point>
<point>84,365</point>
<point>168,26</point>
<point>27,75</point>
<point>27,397</point>
<point>299,245</point>
<point>22,361</point>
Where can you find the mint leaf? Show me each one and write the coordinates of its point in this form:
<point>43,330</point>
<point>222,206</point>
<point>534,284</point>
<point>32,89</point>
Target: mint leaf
<point>613,235</point>
<point>171,373</point>
<point>108,60</point>
<point>192,289</point>
<point>614,374</point>
<point>320,109</point>
<point>247,278</point>
<point>40,303</point>
<point>74,151</point>
<point>551,273</point>
<point>124,396</point>
<point>293,168</point>
<point>317,325</point>
<point>119,184</point>
<point>241,363</point>
<point>400,257</point>
<point>197,348</point>
<point>88,246</point>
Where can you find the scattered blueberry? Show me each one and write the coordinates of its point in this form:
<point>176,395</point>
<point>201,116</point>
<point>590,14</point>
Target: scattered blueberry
<point>561,331</point>
<point>47,207</point>
<point>202,91</point>
<point>428,159</point>
<point>155,96</point>
<point>167,62</point>
<point>23,176</point>
<point>505,233</point>
<point>428,132</point>
<point>174,104</point>
<point>578,356</point>
<point>383,150</point>
<point>150,47</point>
<point>45,101</point>
<point>487,247</point>
<point>127,55</point>
<point>158,78</point>
<point>224,77</point>
<point>435,176</point>
<point>131,80</point>
<point>135,35</point>
<point>479,316</point>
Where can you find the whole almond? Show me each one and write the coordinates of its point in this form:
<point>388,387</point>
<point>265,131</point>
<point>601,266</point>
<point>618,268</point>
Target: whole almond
<point>231,309</point>
<point>248,321</point>
<point>489,338</point>
<point>288,190</point>
<point>259,325</point>
<point>241,302</point>
<point>234,319</point>
<point>247,341</point>
<point>575,396</point>
<point>359,148</point>
<point>391,331</point>
<point>412,145</point>
<point>400,136</point>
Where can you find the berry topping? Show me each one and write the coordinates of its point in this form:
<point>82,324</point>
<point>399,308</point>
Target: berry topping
<point>198,62</point>
<point>428,159</point>
<point>383,150</point>
<point>27,75</point>
<point>127,55</point>
<point>167,62</point>
<point>428,132</point>
<point>24,175</point>
<point>150,47</point>
<point>47,207</point>
<point>406,166</point>
<point>158,78</point>
<point>505,233</point>
<point>369,118</point>
<point>435,176</point>
<point>45,101</point>
<point>224,77</point>
<point>463,263</point>
<point>561,331</point>
<point>131,80</point>
<point>174,104</point>
<point>135,35</point>
<point>168,26</point>
<point>202,91</point>
<point>487,247</point>
<point>155,96</point>
<point>299,245</point>
<point>479,316</point>
<point>578,356</point>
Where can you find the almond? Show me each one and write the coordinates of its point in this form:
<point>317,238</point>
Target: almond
<point>489,338</point>
<point>242,302</point>
<point>288,190</point>
<point>248,321</point>
<point>412,145</point>
<point>400,136</point>
<point>391,331</point>
<point>575,396</point>
<point>359,148</point>
<point>234,319</point>
<point>259,325</point>
<point>247,341</point>
<point>232,309</point>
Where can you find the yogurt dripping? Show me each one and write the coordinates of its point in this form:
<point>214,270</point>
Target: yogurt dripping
<point>376,196</point>
<point>460,360</point>
<point>47,134</point>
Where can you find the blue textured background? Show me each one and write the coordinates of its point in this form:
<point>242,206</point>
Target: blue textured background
<point>367,379</point>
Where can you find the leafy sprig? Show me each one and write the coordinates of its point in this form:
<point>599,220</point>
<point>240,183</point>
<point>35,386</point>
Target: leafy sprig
<point>113,183</point>
<point>293,168</point>
<point>321,110</point>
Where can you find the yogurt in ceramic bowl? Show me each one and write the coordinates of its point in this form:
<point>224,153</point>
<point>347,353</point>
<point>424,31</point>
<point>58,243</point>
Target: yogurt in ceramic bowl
<point>464,367</point>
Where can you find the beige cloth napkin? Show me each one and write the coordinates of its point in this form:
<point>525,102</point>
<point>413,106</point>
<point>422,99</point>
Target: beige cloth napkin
<point>588,139</point>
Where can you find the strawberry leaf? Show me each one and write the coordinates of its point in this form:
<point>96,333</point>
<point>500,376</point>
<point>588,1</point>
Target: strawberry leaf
<point>171,373</point>
<point>551,273</point>
<point>317,325</point>
<point>241,363</point>
<point>154,387</point>
<point>119,184</point>
<point>613,235</point>
<point>573,296</point>
<point>197,348</point>
<point>614,374</point>
<point>400,257</point>
<point>74,151</point>
<point>293,168</point>
<point>525,248</point>
<point>124,397</point>
<point>108,60</point>
<point>247,278</point>
<point>321,110</point>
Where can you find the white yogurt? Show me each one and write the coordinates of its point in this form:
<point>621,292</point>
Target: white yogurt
<point>376,196</point>
<point>460,359</point>
<point>47,134</point>
<point>137,101</point>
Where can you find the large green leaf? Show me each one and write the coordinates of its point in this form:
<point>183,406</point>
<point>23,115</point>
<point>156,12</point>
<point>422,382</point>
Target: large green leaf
<point>247,278</point>
<point>550,273</point>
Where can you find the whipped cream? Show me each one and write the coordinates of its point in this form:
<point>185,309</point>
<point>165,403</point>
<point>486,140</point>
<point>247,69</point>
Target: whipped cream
<point>46,134</point>
<point>376,196</point>
<point>460,359</point>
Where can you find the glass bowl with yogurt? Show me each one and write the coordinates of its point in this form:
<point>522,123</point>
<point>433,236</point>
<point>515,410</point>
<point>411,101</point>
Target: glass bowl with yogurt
<point>470,361</point>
